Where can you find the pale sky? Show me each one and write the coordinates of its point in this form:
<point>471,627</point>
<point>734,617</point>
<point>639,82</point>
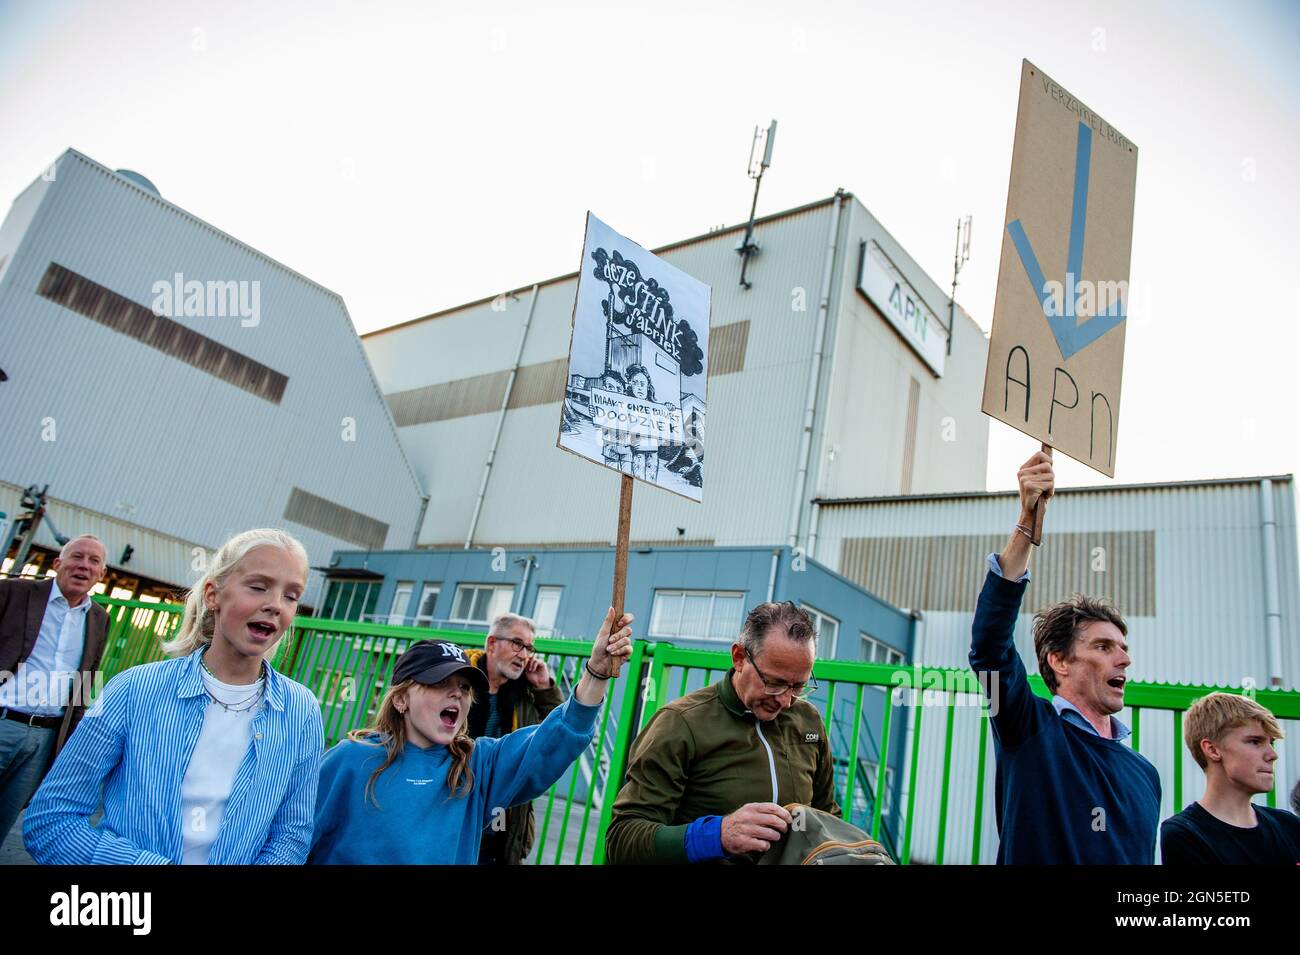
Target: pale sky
<point>414,156</point>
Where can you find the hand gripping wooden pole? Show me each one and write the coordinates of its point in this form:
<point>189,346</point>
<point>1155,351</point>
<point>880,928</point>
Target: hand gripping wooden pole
<point>1039,507</point>
<point>620,557</point>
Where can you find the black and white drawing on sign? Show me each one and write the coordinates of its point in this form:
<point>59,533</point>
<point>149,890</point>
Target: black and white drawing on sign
<point>638,365</point>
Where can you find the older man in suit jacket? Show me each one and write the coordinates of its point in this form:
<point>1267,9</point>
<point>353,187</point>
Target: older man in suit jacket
<point>51,639</point>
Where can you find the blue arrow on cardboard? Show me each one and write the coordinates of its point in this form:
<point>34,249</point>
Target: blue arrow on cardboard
<point>1071,337</point>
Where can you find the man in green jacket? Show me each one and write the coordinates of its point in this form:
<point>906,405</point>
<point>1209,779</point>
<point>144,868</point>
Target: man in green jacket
<point>521,692</point>
<point>710,774</point>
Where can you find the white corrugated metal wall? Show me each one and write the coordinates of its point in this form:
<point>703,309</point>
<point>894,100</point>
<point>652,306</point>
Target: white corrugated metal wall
<point>194,456</point>
<point>1208,626</point>
<point>865,403</point>
<point>531,475</point>
<point>754,416</point>
<point>14,229</point>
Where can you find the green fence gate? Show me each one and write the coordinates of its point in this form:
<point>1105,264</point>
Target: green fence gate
<point>348,665</point>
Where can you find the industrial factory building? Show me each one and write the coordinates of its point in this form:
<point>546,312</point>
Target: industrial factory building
<point>170,386</point>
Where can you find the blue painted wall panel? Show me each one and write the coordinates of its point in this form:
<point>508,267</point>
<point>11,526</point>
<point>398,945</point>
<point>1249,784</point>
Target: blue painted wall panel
<point>586,576</point>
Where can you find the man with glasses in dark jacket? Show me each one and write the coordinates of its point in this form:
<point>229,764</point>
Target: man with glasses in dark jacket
<point>521,692</point>
<point>711,773</point>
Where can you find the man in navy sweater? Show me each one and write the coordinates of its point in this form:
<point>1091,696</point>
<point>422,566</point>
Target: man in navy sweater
<point>1069,792</point>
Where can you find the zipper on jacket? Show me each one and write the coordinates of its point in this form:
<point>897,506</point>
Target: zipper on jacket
<point>771,763</point>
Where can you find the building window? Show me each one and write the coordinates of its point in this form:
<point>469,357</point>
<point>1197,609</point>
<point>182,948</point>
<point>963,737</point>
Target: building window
<point>428,601</point>
<point>546,610</point>
<point>480,603</point>
<point>350,599</point>
<point>401,602</point>
<point>872,650</point>
<point>123,315</point>
<point>539,384</point>
<point>828,631</point>
<point>697,614</point>
<point>727,344</point>
<point>321,514</point>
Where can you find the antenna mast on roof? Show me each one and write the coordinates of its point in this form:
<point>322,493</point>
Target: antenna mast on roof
<point>959,258</point>
<point>748,246</point>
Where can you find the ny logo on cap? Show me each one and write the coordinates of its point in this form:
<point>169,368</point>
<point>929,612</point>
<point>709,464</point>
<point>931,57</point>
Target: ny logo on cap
<point>451,650</point>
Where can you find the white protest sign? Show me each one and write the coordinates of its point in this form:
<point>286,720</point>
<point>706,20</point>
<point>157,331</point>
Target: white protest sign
<point>638,365</point>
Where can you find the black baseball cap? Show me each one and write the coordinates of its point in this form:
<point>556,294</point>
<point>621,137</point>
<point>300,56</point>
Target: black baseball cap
<point>432,661</point>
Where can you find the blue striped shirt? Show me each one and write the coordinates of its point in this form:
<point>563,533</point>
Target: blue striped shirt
<point>154,713</point>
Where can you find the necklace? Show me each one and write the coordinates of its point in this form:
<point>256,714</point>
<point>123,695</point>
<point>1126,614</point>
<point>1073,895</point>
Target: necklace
<point>239,706</point>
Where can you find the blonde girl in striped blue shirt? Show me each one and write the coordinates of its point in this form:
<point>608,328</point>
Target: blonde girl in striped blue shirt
<point>209,757</point>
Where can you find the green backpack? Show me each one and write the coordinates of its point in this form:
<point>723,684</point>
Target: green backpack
<point>818,838</point>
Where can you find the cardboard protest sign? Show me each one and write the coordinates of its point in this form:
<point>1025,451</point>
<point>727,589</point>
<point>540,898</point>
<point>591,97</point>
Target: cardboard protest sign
<point>638,365</point>
<point>1056,353</point>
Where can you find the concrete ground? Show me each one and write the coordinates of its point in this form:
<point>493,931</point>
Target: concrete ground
<point>12,851</point>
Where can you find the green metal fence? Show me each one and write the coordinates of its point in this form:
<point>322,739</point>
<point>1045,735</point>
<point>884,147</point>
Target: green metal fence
<point>348,666</point>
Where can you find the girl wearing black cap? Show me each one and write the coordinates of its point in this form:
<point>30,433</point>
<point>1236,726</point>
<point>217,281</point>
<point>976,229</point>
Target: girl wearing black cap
<point>414,789</point>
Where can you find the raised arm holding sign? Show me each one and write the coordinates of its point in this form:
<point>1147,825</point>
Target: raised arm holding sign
<point>1037,482</point>
<point>1068,791</point>
<point>638,371</point>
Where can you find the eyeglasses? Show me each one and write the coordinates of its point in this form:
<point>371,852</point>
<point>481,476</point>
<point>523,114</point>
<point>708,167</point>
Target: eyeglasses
<point>801,691</point>
<point>527,649</point>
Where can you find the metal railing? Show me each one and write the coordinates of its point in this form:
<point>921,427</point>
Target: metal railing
<point>347,665</point>
<point>848,725</point>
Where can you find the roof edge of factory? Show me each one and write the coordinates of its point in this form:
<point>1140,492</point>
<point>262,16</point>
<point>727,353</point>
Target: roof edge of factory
<point>1086,489</point>
<point>658,250</point>
<point>198,220</point>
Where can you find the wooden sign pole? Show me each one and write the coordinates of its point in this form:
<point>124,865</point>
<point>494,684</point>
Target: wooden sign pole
<point>620,554</point>
<point>1039,506</point>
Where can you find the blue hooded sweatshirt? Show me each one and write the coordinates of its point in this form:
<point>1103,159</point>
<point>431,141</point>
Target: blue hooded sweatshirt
<point>418,822</point>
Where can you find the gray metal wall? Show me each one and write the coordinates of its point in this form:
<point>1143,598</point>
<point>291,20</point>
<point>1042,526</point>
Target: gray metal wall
<point>143,438</point>
<point>1185,563</point>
